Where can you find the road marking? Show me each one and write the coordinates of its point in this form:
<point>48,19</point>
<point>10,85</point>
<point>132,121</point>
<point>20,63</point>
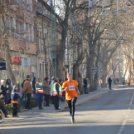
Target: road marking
<point>124,122</point>
<point>131,100</point>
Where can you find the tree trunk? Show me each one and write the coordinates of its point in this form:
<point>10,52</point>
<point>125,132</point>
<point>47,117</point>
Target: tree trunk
<point>80,81</point>
<point>76,74</point>
<point>96,81</point>
<point>61,53</point>
<point>104,77</point>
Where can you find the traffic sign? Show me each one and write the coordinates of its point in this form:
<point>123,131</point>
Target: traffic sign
<point>25,62</point>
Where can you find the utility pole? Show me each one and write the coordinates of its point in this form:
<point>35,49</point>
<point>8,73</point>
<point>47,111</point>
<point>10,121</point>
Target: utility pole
<point>53,39</point>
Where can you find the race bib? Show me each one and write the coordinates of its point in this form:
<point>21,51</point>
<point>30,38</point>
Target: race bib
<point>71,88</point>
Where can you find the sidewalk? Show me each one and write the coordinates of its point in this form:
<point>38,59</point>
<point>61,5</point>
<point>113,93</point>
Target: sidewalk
<point>80,100</point>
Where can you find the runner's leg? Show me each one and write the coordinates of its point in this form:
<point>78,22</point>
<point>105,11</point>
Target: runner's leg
<point>73,104</point>
<point>70,106</point>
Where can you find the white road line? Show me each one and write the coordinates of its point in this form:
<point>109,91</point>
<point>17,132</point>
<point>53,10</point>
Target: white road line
<point>131,100</point>
<point>124,122</point>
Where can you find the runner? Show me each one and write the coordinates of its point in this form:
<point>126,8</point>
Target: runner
<point>128,81</point>
<point>71,95</point>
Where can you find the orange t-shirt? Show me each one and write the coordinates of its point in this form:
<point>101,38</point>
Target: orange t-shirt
<point>70,92</point>
<point>128,80</point>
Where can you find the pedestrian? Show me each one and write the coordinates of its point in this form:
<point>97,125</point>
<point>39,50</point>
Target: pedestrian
<point>51,89</point>
<point>9,88</point>
<point>57,92</point>
<point>15,97</point>
<point>123,81</point>
<point>27,89</point>
<point>33,85</point>
<point>101,82</point>
<point>109,82</point>
<point>2,105</point>
<point>39,93</point>
<point>85,85</point>
<point>4,90</point>
<point>129,81</point>
<point>46,90</point>
<point>88,85</point>
<point>63,93</point>
<point>71,94</point>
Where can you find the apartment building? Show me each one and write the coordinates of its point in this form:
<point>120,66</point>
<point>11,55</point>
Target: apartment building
<point>44,41</point>
<point>21,29</point>
<point>44,35</point>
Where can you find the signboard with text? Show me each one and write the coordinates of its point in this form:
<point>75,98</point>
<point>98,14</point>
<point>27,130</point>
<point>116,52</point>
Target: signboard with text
<point>16,60</point>
<point>2,65</point>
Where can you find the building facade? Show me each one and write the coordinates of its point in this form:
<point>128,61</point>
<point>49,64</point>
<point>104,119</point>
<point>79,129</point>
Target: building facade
<point>21,29</point>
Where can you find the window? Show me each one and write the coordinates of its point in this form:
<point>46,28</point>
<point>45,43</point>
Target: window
<point>21,27</point>
<point>12,26</point>
<point>26,31</point>
<point>30,5</point>
<point>18,27</point>
<point>29,32</point>
<point>8,25</point>
<point>119,72</point>
<point>32,33</point>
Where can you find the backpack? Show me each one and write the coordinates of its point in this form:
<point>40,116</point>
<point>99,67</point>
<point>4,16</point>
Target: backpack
<point>22,83</point>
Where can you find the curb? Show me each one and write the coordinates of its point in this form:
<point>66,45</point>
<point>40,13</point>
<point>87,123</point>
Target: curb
<point>89,100</point>
<point>81,103</point>
<point>92,99</point>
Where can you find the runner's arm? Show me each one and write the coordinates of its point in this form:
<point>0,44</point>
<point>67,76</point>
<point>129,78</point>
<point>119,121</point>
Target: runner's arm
<point>64,89</point>
<point>77,90</point>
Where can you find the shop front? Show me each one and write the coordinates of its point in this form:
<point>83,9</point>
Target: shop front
<point>16,65</point>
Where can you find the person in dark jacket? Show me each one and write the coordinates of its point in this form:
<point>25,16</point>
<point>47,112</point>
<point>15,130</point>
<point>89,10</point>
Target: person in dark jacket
<point>2,105</point>
<point>27,90</point>
<point>85,85</point>
<point>46,90</point>
<point>33,85</point>
<point>109,82</point>
<point>15,96</point>
<point>56,97</point>
<point>4,90</point>
<point>9,88</point>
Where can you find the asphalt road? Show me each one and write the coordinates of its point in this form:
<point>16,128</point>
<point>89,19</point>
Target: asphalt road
<point>110,114</point>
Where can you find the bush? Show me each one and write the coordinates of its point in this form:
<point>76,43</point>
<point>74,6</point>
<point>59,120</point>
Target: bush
<point>9,108</point>
<point>33,102</point>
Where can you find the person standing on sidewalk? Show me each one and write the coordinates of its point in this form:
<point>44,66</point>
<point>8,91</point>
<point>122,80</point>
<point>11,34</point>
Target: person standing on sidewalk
<point>57,92</point>
<point>63,93</point>
<point>85,85</point>
<point>9,88</point>
<point>128,81</point>
<point>2,105</point>
<point>46,90</point>
<point>109,82</point>
<point>4,90</point>
<point>27,89</point>
<point>14,101</point>
<point>123,81</point>
<point>39,92</point>
<point>71,94</point>
<point>51,89</point>
<point>101,83</point>
<point>33,85</point>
